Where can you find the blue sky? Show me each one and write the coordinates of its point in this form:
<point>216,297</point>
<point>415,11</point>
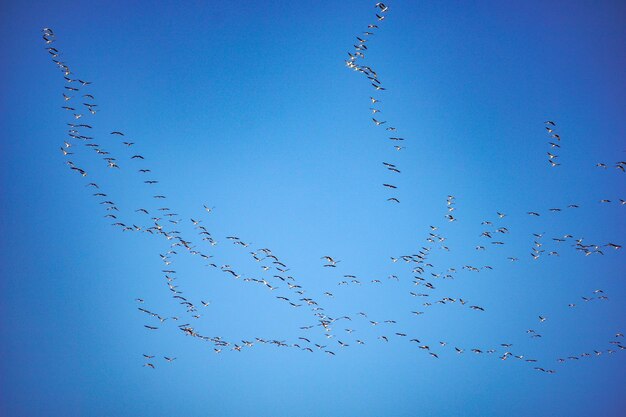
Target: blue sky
<point>249,108</point>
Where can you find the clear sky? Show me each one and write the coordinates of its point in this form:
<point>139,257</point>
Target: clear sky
<point>249,107</point>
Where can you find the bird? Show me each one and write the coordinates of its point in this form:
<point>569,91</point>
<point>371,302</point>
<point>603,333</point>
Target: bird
<point>329,259</point>
<point>382,7</point>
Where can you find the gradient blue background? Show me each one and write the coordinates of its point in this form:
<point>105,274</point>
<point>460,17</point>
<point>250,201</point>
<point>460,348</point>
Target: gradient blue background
<point>247,106</point>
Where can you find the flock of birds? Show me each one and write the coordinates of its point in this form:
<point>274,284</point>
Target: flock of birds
<point>552,157</point>
<point>554,142</point>
<point>354,57</point>
<point>323,333</point>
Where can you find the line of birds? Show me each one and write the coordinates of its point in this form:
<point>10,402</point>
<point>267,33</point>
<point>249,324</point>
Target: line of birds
<point>552,156</point>
<point>360,48</point>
